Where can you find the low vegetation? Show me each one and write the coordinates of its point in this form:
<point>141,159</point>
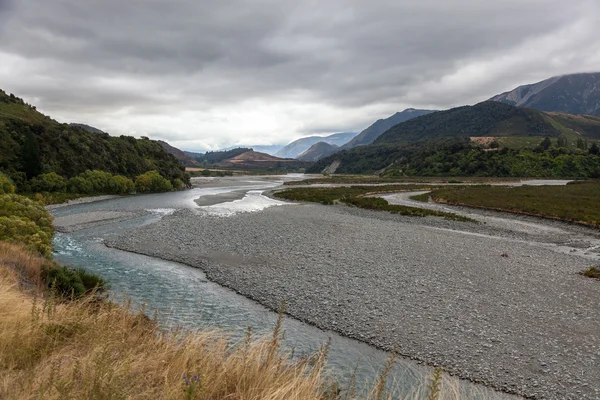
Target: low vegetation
<point>592,272</point>
<point>576,202</point>
<point>23,220</point>
<point>376,179</point>
<point>355,196</point>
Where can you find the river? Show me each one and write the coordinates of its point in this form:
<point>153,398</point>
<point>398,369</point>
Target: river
<point>182,295</point>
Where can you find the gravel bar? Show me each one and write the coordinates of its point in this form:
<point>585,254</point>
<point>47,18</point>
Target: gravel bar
<point>498,306</point>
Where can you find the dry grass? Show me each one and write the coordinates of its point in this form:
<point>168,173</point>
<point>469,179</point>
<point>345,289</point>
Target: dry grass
<point>97,350</point>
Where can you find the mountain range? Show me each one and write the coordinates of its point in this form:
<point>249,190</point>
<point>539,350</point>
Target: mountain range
<point>572,94</point>
<point>297,147</point>
<point>509,125</point>
<point>370,134</point>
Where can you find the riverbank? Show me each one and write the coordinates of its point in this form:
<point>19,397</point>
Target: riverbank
<point>490,305</point>
<point>95,349</point>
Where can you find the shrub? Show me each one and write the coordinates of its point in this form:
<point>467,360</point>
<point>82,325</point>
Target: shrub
<point>592,272</point>
<point>6,185</point>
<point>79,185</point>
<point>177,184</point>
<point>100,180</point>
<point>22,230</point>
<point>151,182</point>
<point>119,184</point>
<point>50,182</point>
<point>91,281</point>
<point>13,205</point>
<point>65,281</point>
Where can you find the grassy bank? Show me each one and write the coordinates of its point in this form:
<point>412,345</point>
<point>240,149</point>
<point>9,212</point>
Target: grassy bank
<point>60,338</point>
<point>577,202</point>
<point>93,349</point>
<point>355,196</point>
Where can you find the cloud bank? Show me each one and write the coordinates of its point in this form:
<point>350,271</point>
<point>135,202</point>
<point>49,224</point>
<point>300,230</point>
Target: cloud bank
<point>206,74</point>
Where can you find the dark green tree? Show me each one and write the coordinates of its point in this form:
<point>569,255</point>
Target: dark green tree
<point>595,149</point>
<point>546,143</point>
<point>562,141</point>
<point>30,156</point>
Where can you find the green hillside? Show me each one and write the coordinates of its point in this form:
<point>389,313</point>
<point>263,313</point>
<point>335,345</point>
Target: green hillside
<point>32,143</point>
<point>483,119</point>
<point>445,143</point>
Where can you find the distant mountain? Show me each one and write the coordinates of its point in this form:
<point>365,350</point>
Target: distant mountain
<point>484,119</point>
<point>179,154</point>
<point>270,149</point>
<point>255,160</point>
<point>318,151</point>
<point>299,146</point>
<point>370,134</point>
<point>573,94</point>
<point>489,119</point>
<point>87,128</point>
<point>213,157</point>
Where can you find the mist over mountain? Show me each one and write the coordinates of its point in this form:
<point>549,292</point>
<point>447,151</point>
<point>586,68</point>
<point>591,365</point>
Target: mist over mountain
<point>297,147</point>
<point>573,94</point>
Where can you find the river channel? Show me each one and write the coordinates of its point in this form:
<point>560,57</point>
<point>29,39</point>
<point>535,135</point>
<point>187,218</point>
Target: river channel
<point>183,296</point>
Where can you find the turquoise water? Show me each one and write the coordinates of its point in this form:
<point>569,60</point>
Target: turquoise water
<point>184,297</point>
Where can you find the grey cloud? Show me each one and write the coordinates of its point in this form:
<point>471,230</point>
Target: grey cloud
<point>151,56</point>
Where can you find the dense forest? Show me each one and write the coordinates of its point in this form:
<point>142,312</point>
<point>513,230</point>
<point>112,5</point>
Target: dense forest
<point>32,144</point>
<point>460,157</point>
<point>518,142</point>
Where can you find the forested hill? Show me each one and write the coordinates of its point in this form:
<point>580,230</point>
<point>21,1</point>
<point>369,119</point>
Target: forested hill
<point>483,119</point>
<point>32,143</point>
<point>406,145</point>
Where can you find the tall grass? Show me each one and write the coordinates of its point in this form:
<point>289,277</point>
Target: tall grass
<point>94,349</point>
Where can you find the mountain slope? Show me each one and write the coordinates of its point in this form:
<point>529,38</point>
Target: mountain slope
<point>87,128</point>
<point>487,119</point>
<point>255,160</point>
<point>180,155</point>
<point>573,94</point>
<point>484,119</point>
<point>32,143</point>
<point>299,146</point>
<point>370,134</point>
<point>318,151</point>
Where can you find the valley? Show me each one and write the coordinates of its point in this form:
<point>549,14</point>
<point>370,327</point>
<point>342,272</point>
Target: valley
<point>472,298</point>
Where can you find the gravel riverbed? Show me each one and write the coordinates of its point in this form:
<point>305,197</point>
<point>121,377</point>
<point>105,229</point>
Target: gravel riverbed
<point>488,303</point>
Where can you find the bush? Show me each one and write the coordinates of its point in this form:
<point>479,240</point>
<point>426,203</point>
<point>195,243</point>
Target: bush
<point>6,185</point>
<point>50,182</point>
<point>22,230</point>
<point>592,272</point>
<point>71,283</point>
<point>13,205</point>
<point>79,185</point>
<point>91,281</point>
<point>152,182</point>
<point>119,184</point>
<point>100,180</point>
<point>177,184</point>
<point>65,281</point>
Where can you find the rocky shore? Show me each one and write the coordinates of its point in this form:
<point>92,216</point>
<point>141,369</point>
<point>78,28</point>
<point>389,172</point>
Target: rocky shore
<point>487,303</point>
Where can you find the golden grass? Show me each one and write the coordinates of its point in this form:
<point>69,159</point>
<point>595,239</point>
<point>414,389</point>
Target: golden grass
<point>94,349</point>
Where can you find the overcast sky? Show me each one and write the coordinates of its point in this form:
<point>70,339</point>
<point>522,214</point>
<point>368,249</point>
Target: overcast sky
<point>207,74</point>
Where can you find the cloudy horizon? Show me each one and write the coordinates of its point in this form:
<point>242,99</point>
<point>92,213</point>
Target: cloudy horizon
<point>208,75</point>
